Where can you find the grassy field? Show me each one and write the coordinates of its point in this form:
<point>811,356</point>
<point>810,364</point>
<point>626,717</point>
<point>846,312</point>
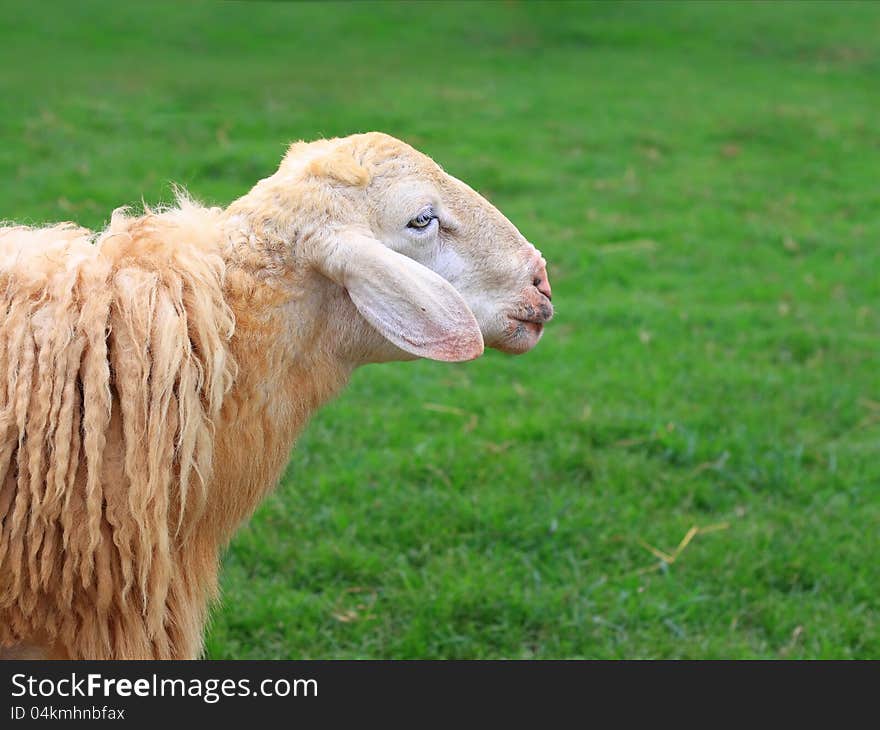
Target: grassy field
<point>703,179</point>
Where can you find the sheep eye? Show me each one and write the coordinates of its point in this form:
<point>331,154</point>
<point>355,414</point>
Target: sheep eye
<point>423,219</point>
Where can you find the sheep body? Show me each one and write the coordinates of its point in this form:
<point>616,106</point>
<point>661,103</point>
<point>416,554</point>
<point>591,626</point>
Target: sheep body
<point>115,350</point>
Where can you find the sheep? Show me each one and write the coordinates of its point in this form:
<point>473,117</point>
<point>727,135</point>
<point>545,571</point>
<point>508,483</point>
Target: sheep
<point>157,373</point>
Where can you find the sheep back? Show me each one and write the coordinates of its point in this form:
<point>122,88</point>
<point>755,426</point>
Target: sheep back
<point>115,353</point>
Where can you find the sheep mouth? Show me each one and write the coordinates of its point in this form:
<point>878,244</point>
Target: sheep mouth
<point>534,326</point>
<point>521,334</point>
<point>537,313</point>
<point>537,316</point>
<point>539,321</point>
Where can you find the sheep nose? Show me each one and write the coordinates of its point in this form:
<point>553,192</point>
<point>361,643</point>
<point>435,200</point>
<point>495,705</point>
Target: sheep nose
<point>540,280</point>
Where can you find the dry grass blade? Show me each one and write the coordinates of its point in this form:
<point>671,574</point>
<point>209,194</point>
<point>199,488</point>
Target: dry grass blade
<point>670,558</point>
<point>440,408</point>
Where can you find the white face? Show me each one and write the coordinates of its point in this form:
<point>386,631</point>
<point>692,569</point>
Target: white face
<point>429,263</point>
<point>452,230</point>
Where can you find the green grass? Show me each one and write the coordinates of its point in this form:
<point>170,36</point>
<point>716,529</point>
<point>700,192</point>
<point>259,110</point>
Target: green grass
<point>702,177</point>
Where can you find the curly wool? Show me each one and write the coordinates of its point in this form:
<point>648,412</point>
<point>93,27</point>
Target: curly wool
<point>115,350</point>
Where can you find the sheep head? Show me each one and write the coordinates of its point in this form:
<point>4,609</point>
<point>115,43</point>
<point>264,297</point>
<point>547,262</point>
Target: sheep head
<point>430,265</point>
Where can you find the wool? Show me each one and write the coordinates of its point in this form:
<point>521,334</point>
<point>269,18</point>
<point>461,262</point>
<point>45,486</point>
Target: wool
<point>112,344</point>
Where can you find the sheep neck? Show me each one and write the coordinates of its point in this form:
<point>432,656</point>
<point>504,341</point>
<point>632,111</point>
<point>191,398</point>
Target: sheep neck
<point>287,369</point>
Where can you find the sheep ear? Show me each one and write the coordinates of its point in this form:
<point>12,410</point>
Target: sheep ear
<point>411,306</point>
